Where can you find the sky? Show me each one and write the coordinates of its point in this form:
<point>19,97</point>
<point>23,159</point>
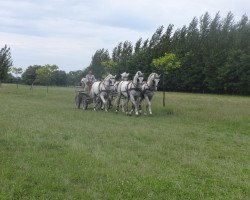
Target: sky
<point>67,33</point>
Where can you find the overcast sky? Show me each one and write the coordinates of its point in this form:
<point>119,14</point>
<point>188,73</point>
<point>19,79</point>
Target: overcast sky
<point>68,32</point>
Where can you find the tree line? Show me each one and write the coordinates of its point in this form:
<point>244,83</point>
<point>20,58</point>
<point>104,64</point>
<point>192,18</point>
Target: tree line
<point>212,55</point>
<point>45,75</point>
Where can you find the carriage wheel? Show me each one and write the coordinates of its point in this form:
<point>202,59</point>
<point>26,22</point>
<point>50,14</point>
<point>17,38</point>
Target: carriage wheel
<point>84,103</point>
<point>77,101</point>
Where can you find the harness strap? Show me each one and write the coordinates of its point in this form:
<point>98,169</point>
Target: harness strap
<point>105,90</point>
<point>130,89</point>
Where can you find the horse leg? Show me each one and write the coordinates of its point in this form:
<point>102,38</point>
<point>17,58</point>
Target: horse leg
<point>117,101</point>
<point>101,103</point>
<point>110,105</point>
<point>132,109</point>
<point>104,102</point>
<point>122,105</point>
<point>94,101</point>
<point>140,105</point>
<point>135,103</point>
<point>126,105</point>
<point>148,106</point>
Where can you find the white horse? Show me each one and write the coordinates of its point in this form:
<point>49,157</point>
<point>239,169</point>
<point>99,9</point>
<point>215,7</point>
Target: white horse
<point>148,89</point>
<point>130,90</point>
<point>102,89</point>
<point>124,77</point>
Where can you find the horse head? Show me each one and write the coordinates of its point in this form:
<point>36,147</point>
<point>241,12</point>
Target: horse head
<point>109,80</point>
<point>153,80</point>
<point>138,78</point>
<point>124,76</point>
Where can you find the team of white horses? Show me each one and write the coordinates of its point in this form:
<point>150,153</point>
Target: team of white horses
<point>135,90</point>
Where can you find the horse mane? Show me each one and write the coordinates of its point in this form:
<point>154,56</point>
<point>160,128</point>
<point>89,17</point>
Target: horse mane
<point>150,75</point>
<point>139,73</point>
<point>153,74</point>
<point>107,77</point>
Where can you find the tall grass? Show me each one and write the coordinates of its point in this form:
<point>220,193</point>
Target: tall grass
<point>197,147</point>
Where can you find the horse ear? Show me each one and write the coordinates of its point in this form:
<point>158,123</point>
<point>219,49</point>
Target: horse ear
<point>159,76</point>
<point>128,74</point>
<point>114,76</point>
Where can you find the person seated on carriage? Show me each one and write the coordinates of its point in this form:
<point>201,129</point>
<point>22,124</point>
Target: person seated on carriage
<point>90,79</point>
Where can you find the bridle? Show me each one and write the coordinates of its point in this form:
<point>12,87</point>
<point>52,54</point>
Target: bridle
<point>106,86</point>
<point>150,87</point>
<point>136,85</point>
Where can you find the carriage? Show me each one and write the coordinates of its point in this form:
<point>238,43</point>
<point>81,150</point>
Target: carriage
<point>82,98</point>
<point>102,94</point>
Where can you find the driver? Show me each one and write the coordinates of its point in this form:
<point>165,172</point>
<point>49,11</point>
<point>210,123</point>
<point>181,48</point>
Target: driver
<point>90,79</point>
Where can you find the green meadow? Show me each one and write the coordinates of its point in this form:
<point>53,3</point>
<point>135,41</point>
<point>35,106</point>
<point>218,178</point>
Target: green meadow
<point>197,147</point>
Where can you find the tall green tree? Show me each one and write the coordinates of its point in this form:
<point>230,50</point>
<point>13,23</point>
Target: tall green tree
<point>96,66</point>
<point>191,72</point>
<point>213,52</point>
<point>29,76</point>
<point>17,71</point>
<point>165,65</point>
<point>165,41</point>
<point>59,78</point>
<point>155,40</point>
<point>138,46</point>
<point>122,54</point>
<point>234,76</point>
<point>110,67</point>
<point>44,74</point>
<point>214,56</point>
<point>242,34</point>
<point>5,62</point>
<point>74,77</point>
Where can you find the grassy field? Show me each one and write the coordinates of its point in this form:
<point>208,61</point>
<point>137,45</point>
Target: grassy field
<point>197,147</point>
